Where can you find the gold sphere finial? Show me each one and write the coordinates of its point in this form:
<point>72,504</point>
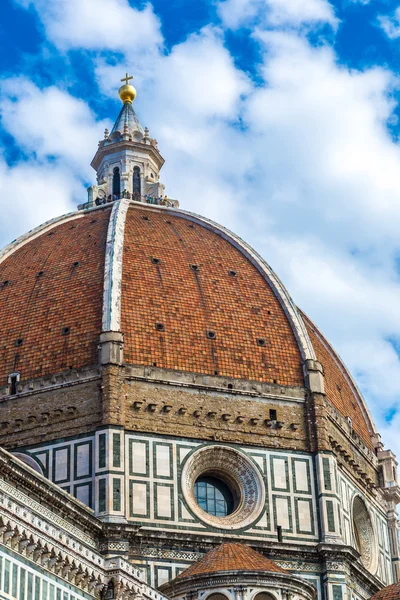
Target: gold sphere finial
<point>127,92</point>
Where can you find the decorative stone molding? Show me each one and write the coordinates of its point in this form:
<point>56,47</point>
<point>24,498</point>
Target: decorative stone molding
<point>241,584</point>
<point>238,472</point>
<point>364,535</point>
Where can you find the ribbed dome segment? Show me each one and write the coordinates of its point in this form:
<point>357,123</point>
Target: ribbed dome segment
<point>51,291</point>
<point>230,557</point>
<point>127,117</point>
<point>201,284</point>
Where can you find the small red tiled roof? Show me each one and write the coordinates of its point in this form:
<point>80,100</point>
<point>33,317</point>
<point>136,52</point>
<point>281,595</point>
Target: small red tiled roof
<point>391,592</point>
<point>231,557</point>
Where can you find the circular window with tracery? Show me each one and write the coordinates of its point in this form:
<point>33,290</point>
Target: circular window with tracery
<point>364,536</point>
<point>223,487</point>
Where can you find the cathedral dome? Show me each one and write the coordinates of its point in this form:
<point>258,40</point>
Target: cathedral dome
<point>186,294</point>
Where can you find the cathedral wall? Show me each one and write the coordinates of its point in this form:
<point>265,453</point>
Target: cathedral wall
<point>217,414</point>
<point>35,417</point>
<point>375,533</point>
<point>156,496</point>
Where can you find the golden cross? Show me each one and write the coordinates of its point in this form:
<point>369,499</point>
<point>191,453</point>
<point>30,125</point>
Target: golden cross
<point>127,78</point>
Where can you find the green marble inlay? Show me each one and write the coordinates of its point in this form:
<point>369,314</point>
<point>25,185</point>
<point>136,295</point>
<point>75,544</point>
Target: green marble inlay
<point>102,451</point>
<point>337,592</point>
<point>30,585</point>
<point>37,588</point>
<point>330,516</point>
<point>116,494</point>
<point>7,565</point>
<point>116,450</point>
<point>22,577</point>
<point>102,495</point>
<point>44,590</point>
<point>14,580</point>
<point>327,474</point>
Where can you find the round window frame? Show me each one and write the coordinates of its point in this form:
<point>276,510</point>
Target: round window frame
<point>238,472</point>
<point>369,562</point>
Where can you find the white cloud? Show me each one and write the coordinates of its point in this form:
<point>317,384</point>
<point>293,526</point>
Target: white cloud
<point>391,25</point>
<point>98,24</point>
<point>50,123</point>
<point>273,13</point>
<point>31,193</point>
<point>58,135</point>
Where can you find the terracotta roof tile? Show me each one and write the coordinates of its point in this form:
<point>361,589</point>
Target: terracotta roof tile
<point>391,592</point>
<point>239,307</point>
<point>46,292</point>
<point>231,557</point>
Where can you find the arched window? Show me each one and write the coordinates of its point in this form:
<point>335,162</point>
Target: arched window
<point>264,596</point>
<point>116,183</point>
<point>217,596</point>
<point>213,496</point>
<point>136,183</point>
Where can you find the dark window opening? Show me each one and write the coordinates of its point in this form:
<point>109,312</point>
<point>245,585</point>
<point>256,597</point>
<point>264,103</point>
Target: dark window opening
<point>39,273</point>
<point>145,218</point>
<point>211,335</point>
<point>155,261</point>
<point>230,386</point>
<point>272,414</point>
<point>116,183</point>
<point>195,267</point>
<point>19,341</point>
<point>13,384</point>
<point>279,532</point>
<point>5,283</point>
<point>261,342</point>
<point>76,263</point>
<point>65,330</point>
<point>136,191</point>
<point>213,496</point>
<point>160,326</point>
<point>232,273</point>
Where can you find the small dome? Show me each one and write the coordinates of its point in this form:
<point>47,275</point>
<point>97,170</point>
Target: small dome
<point>390,592</point>
<point>230,557</point>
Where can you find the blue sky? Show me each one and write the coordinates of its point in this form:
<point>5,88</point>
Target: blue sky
<point>277,118</point>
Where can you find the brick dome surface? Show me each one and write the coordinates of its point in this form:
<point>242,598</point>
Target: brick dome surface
<point>190,299</point>
<point>239,308</point>
<point>391,592</point>
<point>42,292</point>
<point>230,557</point>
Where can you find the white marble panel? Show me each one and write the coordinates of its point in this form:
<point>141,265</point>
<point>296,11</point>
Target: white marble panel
<point>163,465</point>
<point>279,468</point>
<point>300,469</point>
<point>163,501</point>
<point>282,512</point>
<point>162,576</point>
<point>61,464</point>
<point>82,461</point>
<point>82,494</point>
<point>304,514</point>
<point>139,457</point>
<point>139,499</point>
